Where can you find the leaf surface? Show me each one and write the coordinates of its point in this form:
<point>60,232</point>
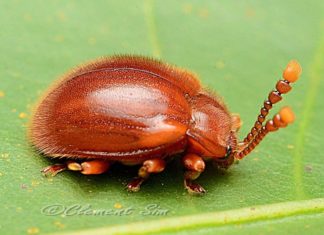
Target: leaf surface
<point>239,50</point>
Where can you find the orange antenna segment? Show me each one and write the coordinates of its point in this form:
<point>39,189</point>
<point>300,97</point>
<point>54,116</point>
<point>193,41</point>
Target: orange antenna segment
<point>280,120</point>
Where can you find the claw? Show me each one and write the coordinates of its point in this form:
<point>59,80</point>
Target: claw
<point>135,184</point>
<point>53,169</point>
<point>194,189</point>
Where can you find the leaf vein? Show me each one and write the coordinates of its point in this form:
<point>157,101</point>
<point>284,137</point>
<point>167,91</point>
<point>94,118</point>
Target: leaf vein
<point>151,25</point>
<point>308,111</point>
<point>248,214</point>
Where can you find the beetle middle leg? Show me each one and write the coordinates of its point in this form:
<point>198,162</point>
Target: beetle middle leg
<point>91,167</point>
<point>194,165</point>
<point>155,165</point>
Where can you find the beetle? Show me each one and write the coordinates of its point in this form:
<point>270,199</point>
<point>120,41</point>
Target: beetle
<point>140,111</point>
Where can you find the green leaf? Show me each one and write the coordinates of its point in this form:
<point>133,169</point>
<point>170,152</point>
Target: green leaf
<point>238,48</point>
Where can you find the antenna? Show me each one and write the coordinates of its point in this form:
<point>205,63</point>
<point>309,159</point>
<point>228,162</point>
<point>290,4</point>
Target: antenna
<point>282,119</point>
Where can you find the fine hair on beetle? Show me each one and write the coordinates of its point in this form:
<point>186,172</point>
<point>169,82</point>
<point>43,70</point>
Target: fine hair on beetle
<point>137,110</point>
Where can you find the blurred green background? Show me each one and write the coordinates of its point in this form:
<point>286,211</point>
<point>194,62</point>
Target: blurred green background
<point>239,49</point>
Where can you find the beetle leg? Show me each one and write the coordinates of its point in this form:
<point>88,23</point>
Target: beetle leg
<point>236,122</point>
<point>195,165</point>
<point>53,169</point>
<point>93,167</point>
<point>149,166</point>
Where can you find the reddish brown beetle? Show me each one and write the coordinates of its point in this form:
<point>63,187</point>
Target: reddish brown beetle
<point>137,110</point>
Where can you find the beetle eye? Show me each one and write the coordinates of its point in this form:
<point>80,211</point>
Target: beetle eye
<point>228,151</point>
<point>227,155</point>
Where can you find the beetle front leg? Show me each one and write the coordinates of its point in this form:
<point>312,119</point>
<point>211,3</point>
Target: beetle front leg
<point>149,166</point>
<point>195,165</point>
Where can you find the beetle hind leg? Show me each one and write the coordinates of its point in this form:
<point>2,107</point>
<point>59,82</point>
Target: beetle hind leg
<point>53,169</point>
<point>92,167</point>
<point>149,166</point>
<point>194,165</point>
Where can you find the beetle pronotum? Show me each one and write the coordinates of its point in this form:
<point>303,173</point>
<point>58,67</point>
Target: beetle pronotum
<point>136,110</point>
